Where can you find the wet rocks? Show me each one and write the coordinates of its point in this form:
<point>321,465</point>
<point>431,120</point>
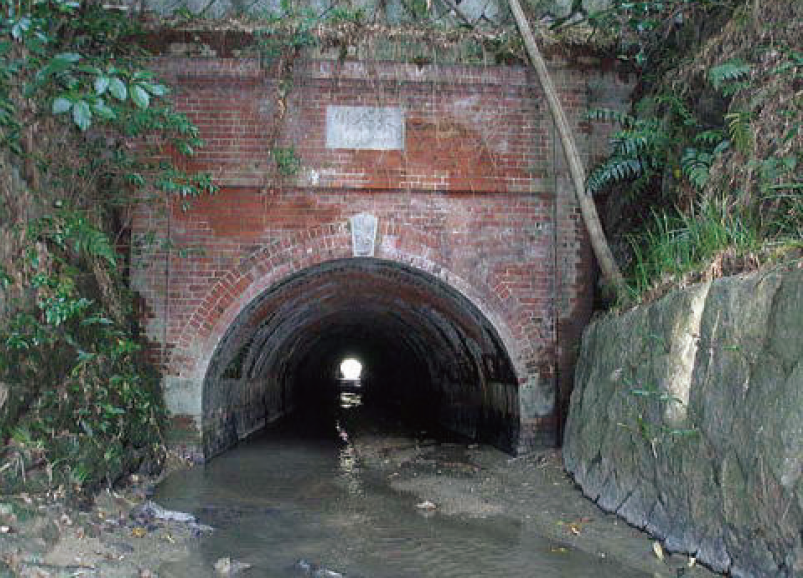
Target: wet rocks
<point>151,510</point>
<point>304,568</point>
<point>229,567</point>
<point>147,515</point>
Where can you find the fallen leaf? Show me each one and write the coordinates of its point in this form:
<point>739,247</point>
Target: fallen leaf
<point>575,529</point>
<point>139,532</point>
<point>659,551</point>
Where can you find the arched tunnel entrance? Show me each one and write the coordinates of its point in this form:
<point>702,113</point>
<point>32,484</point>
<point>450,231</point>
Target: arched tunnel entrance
<point>425,350</point>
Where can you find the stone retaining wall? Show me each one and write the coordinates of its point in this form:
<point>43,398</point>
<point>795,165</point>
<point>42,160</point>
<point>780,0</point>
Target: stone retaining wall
<point>687,420</point>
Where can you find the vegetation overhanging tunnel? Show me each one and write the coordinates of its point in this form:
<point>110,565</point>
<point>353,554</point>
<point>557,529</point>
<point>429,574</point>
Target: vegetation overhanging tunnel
<point>426,349</point>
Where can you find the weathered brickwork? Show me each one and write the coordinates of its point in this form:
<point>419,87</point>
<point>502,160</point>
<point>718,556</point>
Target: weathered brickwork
<point>477,198</point>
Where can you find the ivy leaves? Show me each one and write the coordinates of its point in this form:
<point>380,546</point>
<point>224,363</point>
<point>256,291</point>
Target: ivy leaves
<point>94,93</point>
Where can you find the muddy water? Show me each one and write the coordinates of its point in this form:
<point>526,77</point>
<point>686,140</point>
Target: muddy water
<point>301,491</point>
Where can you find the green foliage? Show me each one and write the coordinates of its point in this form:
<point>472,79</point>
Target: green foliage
<point>781,189</point>
<point>644,145</point>
<point>648,31</point>
<point>639,151</point>
<point>287,161</point>
<point>340,14</point>
<point>85,86</point>
<point>648,404</point>
<point>707,162</point>
<point>696,165</point>
<point>283,36</point>
<point>740,131</point>
<point>70,230</point>
<point>417,9</point>
<point>696,162</point>
<point>185,186</point>
<point>683,241</point>
<point>729,77</point>
<point>86,408</point>
<point>92,407</point>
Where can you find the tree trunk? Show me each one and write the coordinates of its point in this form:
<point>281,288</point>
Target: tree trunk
<point>610,271</point>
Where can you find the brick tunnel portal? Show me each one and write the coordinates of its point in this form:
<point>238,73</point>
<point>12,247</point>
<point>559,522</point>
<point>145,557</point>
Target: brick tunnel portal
<point>457,167</point>
<point>426,351</point>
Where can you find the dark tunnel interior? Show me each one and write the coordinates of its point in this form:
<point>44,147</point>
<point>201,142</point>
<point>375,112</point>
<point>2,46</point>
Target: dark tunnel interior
<point>429,355</point>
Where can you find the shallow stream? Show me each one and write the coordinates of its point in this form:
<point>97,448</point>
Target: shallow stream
<point>301,491</point>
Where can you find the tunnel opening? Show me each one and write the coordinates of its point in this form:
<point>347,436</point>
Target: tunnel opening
<point>350,370</point>
<point>427,355</point>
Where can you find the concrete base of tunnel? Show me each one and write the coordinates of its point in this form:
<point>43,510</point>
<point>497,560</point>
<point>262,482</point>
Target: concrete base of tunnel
<point>425,348</point>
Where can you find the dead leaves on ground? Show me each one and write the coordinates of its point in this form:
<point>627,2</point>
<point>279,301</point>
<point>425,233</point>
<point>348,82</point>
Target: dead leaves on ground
<point>575,527</point>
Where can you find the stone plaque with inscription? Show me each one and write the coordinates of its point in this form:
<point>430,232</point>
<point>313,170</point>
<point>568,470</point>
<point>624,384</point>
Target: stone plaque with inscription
<point>363,234</point>
<point>365,127</point>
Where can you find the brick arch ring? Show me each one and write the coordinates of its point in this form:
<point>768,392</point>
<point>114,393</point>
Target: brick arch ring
<point>269,265</point>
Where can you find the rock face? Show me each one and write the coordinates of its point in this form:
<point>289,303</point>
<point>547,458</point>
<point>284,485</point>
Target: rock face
<point>687,420</point>
<point>391,12</point>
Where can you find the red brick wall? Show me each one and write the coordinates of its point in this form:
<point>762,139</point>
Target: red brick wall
<point>470,199</point>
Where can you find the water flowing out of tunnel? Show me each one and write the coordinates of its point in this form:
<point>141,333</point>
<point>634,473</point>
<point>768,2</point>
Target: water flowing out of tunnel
<point>317,497</point>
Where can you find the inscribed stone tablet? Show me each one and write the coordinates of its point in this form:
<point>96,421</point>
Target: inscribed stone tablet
<point>363,234</point>
<point>365,127</point>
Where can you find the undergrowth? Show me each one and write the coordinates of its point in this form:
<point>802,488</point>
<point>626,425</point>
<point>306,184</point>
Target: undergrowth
<point>706,171</point>
<point>677,243</point>
<point>79,117</point>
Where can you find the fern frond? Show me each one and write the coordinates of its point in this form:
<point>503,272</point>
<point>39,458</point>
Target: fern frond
<point>631,143</point>
<point>696,165</point>
<point>614,170</point>
<point>734,88</point>
<point>721,147</point>
<point>728,72</point>
<point>678,107</point>
<point>710,137</point>
<point>88,239</point>
<point>740,130</point>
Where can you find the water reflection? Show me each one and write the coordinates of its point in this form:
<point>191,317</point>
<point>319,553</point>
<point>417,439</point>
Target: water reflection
<point>350,471</point>
<point>349,465</point>
<point>350,400</point>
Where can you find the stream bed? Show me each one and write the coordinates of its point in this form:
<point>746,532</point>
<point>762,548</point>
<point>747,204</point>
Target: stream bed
<point>363,497</point>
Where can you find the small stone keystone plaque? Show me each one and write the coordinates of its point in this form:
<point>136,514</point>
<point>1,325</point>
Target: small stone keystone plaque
<point>363,234</point>
<point>364,127</point>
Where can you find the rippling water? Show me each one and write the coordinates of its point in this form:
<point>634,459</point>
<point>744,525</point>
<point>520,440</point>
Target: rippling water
<point>297,491</point>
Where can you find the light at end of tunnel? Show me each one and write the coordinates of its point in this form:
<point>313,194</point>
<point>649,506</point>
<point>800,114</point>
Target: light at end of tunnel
<point>351,369</point>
